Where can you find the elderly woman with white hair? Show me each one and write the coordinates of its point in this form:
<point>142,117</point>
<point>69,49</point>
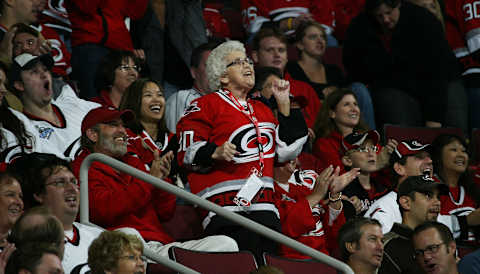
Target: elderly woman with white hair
<point>230,143</point>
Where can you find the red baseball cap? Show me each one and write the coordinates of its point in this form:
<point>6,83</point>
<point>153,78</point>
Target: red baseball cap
<point>104,115</point>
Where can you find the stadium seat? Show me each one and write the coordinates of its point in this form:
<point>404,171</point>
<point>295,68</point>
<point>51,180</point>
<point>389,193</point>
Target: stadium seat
<point>242,262</point>
<point>185,224</point>
<point>424,135</point>
<point>292,266</point>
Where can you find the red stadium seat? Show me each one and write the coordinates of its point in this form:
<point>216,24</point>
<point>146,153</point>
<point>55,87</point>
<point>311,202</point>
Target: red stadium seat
<point>292,266</point>
<point>185,224</point>
<point>242,262</point>
<point>423,134</point>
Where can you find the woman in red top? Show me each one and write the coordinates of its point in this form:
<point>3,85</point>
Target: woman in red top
<point>338,117</point>
<point>147,132</point>
<point>450,163</point>
<point>116,72</point>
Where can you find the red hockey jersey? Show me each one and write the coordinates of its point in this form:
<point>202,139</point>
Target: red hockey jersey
<point>462,25</point>
<point>458,203</point>
<point>214,118</point>
<point>316,227</point>
<point>257,12</point>
<point>55,16</point>
<point>60,54</point>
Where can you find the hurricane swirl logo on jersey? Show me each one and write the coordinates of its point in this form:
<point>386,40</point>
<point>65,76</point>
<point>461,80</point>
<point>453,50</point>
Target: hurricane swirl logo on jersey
<point>45,132</point>
<point>193,107</point>
<point>245,139</point>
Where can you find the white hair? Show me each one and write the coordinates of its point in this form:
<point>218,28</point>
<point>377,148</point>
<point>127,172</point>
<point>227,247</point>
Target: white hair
<point>216,63</point>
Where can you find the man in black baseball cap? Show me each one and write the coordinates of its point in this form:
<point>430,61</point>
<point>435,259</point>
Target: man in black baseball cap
<point>419,202</point>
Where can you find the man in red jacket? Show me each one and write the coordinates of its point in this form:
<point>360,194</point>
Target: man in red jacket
<point>118,200</point>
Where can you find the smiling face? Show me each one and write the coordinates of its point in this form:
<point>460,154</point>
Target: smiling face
<point>125,74</point>
<point>369,249</point>
<point>454,157</point>
<point>129,263</point>
<point>415,165</point>
<point>153,103</point>
<point>110,138</point>
<point>313,42</point>
<point>36,85</point>
<point>347,112</point>
<point>239,76</point>
<point>437,260</point>
<point>62,194</point>
<point>11,203</point>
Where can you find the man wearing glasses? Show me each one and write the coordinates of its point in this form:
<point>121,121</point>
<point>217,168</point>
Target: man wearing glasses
<point>435,248</point>
<point>419,202</point>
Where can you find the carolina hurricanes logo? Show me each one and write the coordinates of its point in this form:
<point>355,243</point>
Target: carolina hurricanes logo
<point>193,107</point>
<point>308,178</point>
<point>245,139</point>
<point>57,6</point>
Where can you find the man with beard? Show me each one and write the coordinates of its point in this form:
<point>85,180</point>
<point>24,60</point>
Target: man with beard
<point>119,200</point>
<point>56,122</point>
<point>435,248</point>
<point>419,201</point>
<point>361,244</point>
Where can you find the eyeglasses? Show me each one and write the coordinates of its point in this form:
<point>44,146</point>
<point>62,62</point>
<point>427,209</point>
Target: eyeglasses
<point>126,68</point>
<point>364,149</point>
<point>241,61</point>
<point>62,183</point>
<point>430,250</point>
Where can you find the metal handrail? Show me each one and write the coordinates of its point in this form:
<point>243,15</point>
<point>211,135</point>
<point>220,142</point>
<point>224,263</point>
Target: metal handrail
<point>236,218</point>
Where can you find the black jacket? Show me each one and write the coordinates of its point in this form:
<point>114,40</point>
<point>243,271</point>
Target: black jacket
<point>419,61</point>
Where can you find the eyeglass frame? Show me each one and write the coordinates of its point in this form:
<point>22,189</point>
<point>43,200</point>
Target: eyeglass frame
<point>372,148</point>
<point>63,183</point>
<point>126,68</point>
<point>134,258</point>
<point>241,61</point>
<point>431,249</point>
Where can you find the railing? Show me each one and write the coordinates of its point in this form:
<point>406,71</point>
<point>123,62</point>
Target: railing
<point>236,218</point>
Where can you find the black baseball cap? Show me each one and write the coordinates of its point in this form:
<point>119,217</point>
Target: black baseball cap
<point>421,184</point>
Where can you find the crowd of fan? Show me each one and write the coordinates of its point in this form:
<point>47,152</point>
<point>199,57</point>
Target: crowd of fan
<point>288,143</point>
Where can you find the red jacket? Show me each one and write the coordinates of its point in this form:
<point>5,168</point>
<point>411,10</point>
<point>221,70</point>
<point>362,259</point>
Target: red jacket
<point>309,226</point>
<point>104,99</point>
<point>97,20</point>
<point>119,200</point>
<point>327,150</point>
<point>300,88</point>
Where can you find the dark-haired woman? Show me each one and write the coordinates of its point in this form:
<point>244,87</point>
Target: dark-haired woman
<point>450,163</point>
<point>116,72</point>
<point>148,132</point>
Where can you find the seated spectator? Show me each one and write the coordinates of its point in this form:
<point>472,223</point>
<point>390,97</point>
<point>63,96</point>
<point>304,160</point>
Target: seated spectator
<point>178,102</point>
<point>310,40</point>
<point>116,72</point>
<point>269,49</point>
<point>56,122</point>
<point>419,202</point>
<point>378,51</point>
<point>51,183</point>
<point>213,136</point>
<point>147,133</point>
<point>116,252</point>
<point>288,15</point>
<point>38,226</point>
<point>305,214</point>
<point>361,244</point>
<point>339,117</point>
<point>98,27</point>
<point>143,206</point>
<point>435,248</point>
<point>470,264</point>
<point>360,151</point>
<point>15,135</point>
<point>411,158</point>
<point>35,258</point>
<point>11,204</point>
<point>450,165</point>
